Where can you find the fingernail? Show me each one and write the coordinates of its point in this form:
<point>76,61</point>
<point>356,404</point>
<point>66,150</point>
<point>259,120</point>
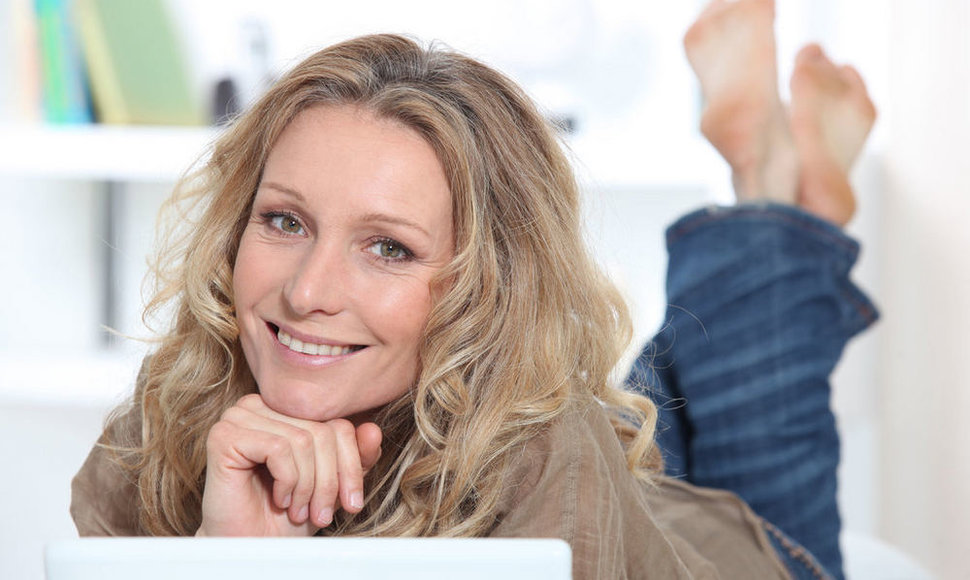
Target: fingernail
<point>325,517</point>
<point>303,514</point>
<point>287,500</point>
<point>357,500</point>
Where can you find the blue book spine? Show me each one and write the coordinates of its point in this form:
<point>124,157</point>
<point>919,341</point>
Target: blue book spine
<point>66,95</point>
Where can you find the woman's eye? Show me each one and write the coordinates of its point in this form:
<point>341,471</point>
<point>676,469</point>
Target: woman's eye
<point>286,223</point>
<point>390,250</point>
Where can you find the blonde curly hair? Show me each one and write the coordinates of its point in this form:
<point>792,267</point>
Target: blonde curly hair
<point>525,324</point>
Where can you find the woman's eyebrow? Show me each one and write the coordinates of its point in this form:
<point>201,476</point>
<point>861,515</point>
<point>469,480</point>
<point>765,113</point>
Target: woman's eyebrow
<point>393,219</point>
<point>283,189</point>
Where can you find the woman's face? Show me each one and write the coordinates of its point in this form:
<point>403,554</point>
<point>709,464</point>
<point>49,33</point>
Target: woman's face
<point>350,222</point>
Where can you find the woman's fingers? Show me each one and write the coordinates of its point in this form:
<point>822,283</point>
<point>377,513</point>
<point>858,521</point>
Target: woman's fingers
<point>331,459</point>
<point>316,495</point>
<point>292,490</point>
<point>369,437</point>
<point>349,466</point>
<point>235,452</point>
<point>331,452</point>
<point>344,457</point>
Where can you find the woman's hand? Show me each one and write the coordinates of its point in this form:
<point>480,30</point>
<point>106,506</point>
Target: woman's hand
<point>268,474</point>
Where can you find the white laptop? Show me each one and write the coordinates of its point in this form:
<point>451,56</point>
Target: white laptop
<point>286,558</point>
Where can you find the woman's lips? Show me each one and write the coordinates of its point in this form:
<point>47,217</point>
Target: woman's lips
<point>310,348</point>
<point>306,347</point>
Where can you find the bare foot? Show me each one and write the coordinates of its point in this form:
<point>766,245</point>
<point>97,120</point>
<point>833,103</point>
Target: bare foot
<point>731,47</point>
<point>831,115</point>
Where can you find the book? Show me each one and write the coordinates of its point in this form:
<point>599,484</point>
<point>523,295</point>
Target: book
<point>135,63</point>
<point>63,80</point>
<point>20,98</point>
<point>19,84</point>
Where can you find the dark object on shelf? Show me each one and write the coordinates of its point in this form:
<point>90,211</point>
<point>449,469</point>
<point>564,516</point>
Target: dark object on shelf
<point>225,102</point>
<point>565,124</point>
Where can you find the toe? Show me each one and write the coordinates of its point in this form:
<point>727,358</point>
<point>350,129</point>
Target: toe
<point>809,53</point>
<point>852,77</point>
<point>857,87</point>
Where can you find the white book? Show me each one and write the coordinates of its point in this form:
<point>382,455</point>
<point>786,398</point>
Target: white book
<point>20,98</point>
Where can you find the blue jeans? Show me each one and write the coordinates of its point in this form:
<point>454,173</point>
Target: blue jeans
<point>760,308</point>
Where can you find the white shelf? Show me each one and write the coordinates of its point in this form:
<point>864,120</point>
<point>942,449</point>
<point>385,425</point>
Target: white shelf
<point>163,154</point>
<point>88,379</point>
<point>100,152</point>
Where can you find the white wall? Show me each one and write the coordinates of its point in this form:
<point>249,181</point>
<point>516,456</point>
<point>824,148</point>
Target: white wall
<point>47,259</point>
<point>925,379</point>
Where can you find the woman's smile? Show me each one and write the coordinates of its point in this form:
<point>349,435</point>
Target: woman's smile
<point>313,348</point>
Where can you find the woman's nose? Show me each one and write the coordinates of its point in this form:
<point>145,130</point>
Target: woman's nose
<point>320,283</point>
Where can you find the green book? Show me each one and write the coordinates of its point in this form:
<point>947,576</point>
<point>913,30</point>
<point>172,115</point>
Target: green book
<point>135,63</point>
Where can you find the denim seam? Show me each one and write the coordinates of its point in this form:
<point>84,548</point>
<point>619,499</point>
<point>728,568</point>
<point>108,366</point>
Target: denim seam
<point>796,552</point>
<point>800,223</point>
<point>866,311</point>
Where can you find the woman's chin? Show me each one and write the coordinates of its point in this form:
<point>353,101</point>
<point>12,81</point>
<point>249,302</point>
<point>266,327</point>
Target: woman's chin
<point>293,404</point>
<point>312,401</point>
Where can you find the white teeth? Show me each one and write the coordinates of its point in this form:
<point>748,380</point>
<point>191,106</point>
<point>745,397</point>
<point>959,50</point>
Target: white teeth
<point>310,348</point>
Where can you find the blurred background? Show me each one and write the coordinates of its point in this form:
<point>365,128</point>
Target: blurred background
<point>105,103</point>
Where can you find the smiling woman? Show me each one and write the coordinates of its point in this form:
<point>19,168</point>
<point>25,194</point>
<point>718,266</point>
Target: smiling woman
<point>392,260</point>
<point>388,323</point>
<point>350,224</point>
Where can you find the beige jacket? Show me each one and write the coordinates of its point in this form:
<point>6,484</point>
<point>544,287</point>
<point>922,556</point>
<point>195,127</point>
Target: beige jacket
<point>570,483</point>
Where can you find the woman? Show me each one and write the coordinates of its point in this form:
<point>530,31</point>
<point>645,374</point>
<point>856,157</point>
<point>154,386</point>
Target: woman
<point>343,154</point>
<point>387,324</point>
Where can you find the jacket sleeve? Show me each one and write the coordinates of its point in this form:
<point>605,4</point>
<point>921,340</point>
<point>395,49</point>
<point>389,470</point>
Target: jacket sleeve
<point>104,495</point>
<point>572,483</point>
